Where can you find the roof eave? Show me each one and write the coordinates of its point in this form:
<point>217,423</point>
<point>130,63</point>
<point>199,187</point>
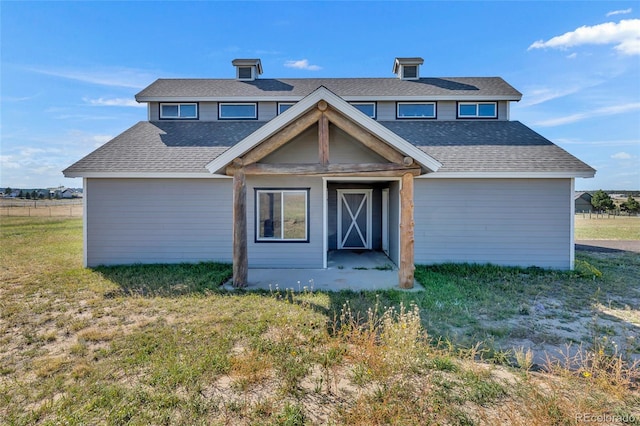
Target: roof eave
<point>510,175</point>
<point>138,175</point>
<point>347,98</point>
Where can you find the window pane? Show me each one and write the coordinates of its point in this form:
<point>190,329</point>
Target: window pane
<point>238,111</point>
<point>283,107</point>
<point>188,111</point>
<point>169,111</point>
<point>269,215</point>
<point>368,109</point>
<point>486,110</point>
<point>295,212</point>
<point>416,110</point>
<point>467,110</point>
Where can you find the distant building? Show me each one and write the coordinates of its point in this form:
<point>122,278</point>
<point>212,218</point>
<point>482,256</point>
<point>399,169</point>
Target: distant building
<point>582,202</point>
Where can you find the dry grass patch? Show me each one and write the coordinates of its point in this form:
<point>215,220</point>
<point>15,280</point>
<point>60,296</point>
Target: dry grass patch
<point>162,345</point>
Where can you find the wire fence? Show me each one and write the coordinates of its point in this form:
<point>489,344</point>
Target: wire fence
<point>41,208</point>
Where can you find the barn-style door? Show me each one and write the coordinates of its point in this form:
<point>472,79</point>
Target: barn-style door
<point>354,218</point>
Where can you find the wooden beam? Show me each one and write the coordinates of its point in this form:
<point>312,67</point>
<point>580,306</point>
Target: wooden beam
<point>323,140</point>
<point>407,261</point>
<point>364,137</point>
<point>363,169</point>
<point>240,260</point>
<point>271,144</point>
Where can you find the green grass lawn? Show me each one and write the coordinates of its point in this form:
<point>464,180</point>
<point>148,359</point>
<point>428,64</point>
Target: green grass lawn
<point>161,344</point>
<point>607,227</point>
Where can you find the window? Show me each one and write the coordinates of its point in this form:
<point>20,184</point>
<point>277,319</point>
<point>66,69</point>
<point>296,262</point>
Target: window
<point>237,111</point>
<point>410,71</point>
<point>416,110</point>
<point>477,110</point>
<point>283,106</point>
<point>177,111</point>
<point>368,108</point>
<point>245,73</point>
<point>282,215</point>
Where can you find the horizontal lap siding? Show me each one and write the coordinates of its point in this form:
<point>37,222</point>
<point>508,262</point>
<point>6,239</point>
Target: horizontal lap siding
<point>524,222</point>
<point>158,220</point>
<point>286,254</point>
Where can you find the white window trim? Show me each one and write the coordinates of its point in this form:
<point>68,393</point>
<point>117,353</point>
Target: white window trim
<point>222,104</point>
<point>258,220</point>
<point>398,116</point>
<point>179,105</point>
<point>477,105</point>
<point>289,104</point>
<point>375,108</point>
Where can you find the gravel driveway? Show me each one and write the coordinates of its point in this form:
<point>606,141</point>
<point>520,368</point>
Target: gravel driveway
<point>608,245</point>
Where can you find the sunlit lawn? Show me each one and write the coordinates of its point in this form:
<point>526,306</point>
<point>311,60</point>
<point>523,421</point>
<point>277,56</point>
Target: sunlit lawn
<point>161,344</point>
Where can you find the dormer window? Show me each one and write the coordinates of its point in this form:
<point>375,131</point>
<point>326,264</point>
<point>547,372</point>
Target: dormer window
<point>407,68</point>
<point>409,72</point>
<point>247,69</point>
<point>245,73</point>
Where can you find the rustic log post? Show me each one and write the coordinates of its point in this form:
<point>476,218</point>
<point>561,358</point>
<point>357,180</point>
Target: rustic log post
<point>407,262</point>
<point>323,140</point>
<point>240,261</point>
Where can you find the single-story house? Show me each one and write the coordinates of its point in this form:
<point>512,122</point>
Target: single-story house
<point>275,173</point>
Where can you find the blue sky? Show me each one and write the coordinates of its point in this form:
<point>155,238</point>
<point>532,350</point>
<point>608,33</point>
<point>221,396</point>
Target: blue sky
<point>70,70</point>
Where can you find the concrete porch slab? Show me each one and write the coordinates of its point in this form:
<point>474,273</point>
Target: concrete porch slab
<point>365,270</point>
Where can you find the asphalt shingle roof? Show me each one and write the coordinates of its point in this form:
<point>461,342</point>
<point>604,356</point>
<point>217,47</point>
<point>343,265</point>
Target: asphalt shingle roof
<point>461,146</point>
<point>486,146</point>
<point>487,87</point>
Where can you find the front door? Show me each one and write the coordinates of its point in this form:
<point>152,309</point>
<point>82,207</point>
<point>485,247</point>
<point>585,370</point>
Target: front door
<point>354,218</point>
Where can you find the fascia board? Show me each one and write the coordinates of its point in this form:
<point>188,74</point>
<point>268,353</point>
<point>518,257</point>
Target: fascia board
<point>461,98</point>
<point>506,175</point>
<point>144,175</point>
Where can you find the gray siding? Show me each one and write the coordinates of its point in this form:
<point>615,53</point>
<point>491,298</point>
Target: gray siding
<point>158,220</point>
<point>385,110</point>
<point>286,254</point>
<point>524,222</point>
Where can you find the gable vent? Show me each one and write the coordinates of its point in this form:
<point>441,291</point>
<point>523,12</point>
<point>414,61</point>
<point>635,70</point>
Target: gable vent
<point>247,69</point>
<point>407,68</point>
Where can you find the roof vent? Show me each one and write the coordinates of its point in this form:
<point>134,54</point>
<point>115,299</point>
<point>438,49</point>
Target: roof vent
<point>247,69</point>
<point>407,68</point>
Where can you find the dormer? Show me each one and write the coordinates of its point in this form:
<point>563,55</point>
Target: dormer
<point>247,69</point>
<point>407,68</point>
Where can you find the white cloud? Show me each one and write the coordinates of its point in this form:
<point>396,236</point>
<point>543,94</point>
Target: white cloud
<point>619,12</point>
<point>621,156</point>
<point>113,77</point>
<point>302,64</point>
<point>625,35</point>
<point>118,102</point>
<point>610,110</point>
<point>572,56</point>
<point>7,162</point>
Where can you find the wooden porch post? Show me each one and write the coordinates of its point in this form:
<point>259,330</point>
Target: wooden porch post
<point>407,265</point>
<point>240,261</point>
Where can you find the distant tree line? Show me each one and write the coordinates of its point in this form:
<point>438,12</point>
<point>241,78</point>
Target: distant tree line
<point>601,201</point>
